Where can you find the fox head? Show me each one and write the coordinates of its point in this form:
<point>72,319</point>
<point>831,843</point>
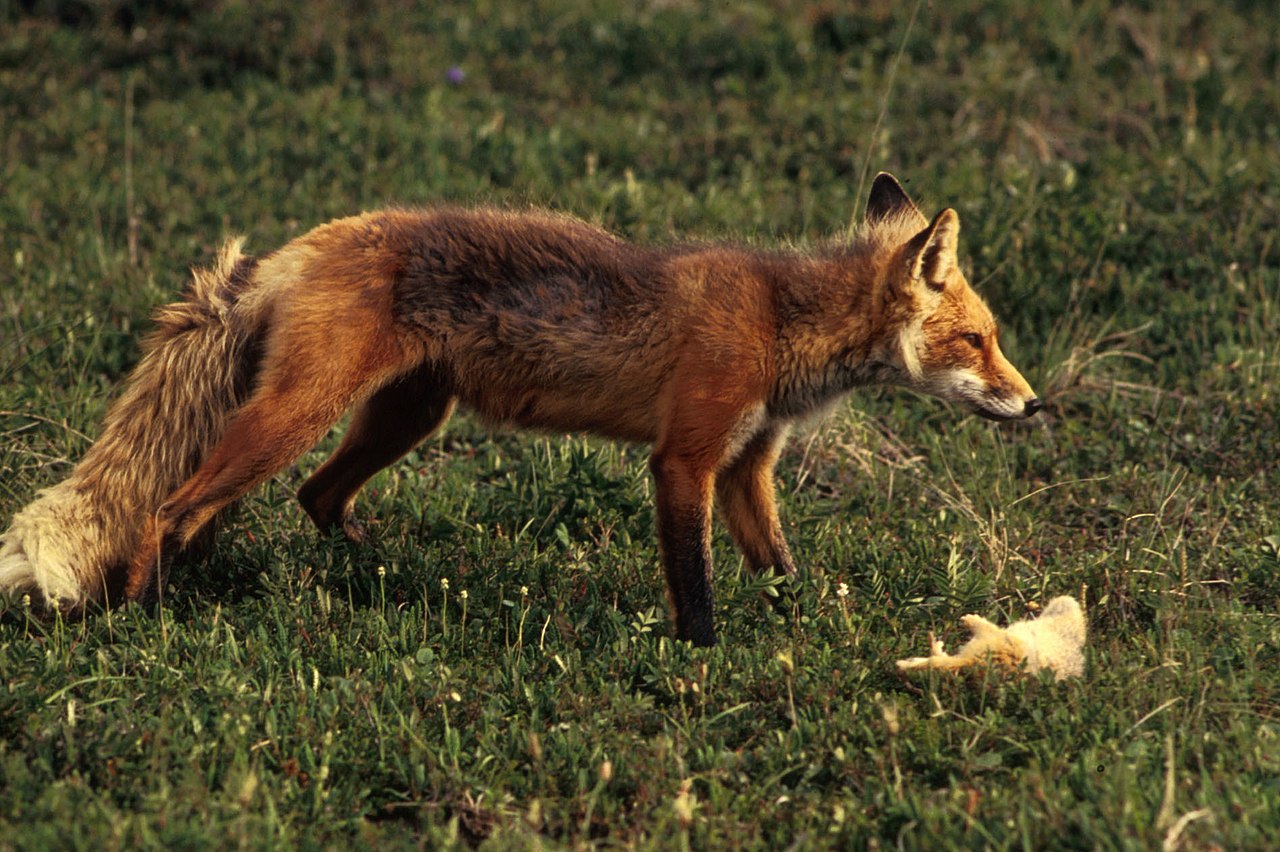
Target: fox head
<point>947,343</point>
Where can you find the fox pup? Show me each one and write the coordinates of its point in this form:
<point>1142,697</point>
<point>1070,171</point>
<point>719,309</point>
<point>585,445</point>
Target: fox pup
<point>708,352</point>
<point>1054,640</point>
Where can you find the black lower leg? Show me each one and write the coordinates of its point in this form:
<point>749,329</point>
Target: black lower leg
<point>687,560</point>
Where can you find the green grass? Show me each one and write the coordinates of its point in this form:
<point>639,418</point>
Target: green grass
<point>1115,171</point>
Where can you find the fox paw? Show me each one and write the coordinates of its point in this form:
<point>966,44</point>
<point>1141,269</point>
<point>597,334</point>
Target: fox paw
<point>979,625</point>
<point>355,531</point>
<point>937,652</point>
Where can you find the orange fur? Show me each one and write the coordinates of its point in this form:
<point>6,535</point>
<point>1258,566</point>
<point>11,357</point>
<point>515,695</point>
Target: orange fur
<point>546,322</point>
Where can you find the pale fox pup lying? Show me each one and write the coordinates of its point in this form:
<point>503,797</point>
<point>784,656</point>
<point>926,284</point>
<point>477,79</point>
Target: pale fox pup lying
<point>1054,641</point>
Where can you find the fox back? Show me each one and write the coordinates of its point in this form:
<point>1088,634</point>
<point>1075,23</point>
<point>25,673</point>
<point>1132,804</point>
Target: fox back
<point>544,321</point>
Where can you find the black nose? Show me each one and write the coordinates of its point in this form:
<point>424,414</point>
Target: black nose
<point>1032,407</point>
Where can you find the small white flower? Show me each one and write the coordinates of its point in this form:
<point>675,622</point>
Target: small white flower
<point>382,571</point>
<point>463,594</point>
<point>842,590</point>
<point>444,583</point>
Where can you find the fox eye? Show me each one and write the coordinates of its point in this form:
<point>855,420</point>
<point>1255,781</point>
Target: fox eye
<point>974,340</point>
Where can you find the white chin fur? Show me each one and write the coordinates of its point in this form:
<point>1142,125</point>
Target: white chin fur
<point>964,388</point>
<point>58,531</point>
<point>1001,408</point>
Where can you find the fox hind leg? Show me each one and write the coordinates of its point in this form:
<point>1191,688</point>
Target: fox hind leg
<point>389,424</point>
<point>303,392</point>
<point>942,662</point>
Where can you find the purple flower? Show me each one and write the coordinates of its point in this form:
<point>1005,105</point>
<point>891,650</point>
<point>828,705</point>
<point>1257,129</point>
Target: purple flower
<point>455,75</point>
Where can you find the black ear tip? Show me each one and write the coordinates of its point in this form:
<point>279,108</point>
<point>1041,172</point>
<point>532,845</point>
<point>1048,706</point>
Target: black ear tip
<point>887,196</point>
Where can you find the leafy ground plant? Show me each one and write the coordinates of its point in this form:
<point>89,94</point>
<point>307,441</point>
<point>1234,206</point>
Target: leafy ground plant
<point>493,668</point>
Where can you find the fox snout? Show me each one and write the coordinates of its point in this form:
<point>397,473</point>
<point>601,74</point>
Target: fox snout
<point>1029,408</point>
<point>1020,401</point>
<point>1005,394</point>
<point>993,389</point>
<point>1008,395</point>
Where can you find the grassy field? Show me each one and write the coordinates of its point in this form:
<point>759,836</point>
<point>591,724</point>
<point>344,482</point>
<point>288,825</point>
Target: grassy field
<point>495,666</point>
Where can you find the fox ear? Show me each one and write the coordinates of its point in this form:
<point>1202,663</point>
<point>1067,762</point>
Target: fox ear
<point>931,254</point>
<point>887,197</point>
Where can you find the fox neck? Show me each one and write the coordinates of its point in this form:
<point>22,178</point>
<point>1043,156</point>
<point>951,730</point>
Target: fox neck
<point>840,332</point>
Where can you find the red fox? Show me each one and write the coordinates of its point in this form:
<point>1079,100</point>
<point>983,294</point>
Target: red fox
<point>708,352</point>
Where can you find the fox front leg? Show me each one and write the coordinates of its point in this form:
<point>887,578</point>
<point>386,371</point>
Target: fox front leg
<point>745,495</point>
<point>705,416</point>
<point>684,539</point>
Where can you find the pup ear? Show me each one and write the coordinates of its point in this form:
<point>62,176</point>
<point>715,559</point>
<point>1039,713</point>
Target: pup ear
<point>931,254</point>
<point>887,198</point>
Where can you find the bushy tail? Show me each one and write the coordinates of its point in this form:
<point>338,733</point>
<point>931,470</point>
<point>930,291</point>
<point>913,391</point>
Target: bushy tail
<point>72,543</point>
